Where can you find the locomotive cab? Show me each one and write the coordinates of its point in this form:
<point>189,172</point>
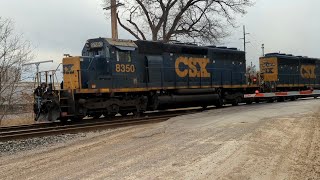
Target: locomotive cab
<point>107,63</point>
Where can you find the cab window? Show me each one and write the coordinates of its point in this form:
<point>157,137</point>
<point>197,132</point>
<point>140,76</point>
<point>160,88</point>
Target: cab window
<point>107,52</point>
<point>124,56</point>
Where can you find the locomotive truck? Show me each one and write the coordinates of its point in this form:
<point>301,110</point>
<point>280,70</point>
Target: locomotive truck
<point>124,76</point>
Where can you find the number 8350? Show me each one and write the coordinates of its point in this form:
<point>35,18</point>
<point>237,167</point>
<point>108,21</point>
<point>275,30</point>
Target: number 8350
<point>125,68</point>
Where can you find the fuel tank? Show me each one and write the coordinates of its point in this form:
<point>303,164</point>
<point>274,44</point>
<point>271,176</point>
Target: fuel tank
<point>193,91</point>
<point>181,101</point>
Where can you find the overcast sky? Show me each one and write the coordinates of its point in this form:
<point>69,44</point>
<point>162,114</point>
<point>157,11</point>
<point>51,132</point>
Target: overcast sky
<point>62,26</point>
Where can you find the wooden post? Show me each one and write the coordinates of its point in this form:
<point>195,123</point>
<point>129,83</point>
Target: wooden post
<point>114,24</point>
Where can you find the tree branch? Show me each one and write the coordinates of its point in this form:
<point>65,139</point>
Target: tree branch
<point>204,20</point>
<point>128,29</point>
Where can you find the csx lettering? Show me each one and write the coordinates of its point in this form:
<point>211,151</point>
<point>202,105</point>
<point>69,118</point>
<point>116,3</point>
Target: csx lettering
<point>308,71</point>
<point>67,69</point>
<point>268,68</point>
<point>129,68</point>
<point>192,70</point>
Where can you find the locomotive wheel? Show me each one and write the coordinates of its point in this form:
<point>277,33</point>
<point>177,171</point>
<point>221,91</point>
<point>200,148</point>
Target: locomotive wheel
<point>293,98</point>
<point>280,99</point>
<point>136,114</point>
<point>64,120</point>
<point>271,100</point>
<point>153,102</point>
<point>218,103</point>
<point>113,110</point>
<point>249,101</point>
<point>204,107</point>
<point>124,113</point>
<point>96,116</point>
<point>76,119</point>
<point>236,102</point>
<point>112,114</point>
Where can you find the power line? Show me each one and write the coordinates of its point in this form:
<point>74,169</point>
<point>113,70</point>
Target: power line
<point>258,44</point>
<point>244,40</point>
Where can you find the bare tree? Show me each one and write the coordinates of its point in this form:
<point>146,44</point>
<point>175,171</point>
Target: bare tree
<point>14,52</point>
<point>252,73</point>
<point>168,20</point>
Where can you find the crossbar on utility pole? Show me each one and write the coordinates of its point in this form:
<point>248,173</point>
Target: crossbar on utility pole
<point>114,15</point>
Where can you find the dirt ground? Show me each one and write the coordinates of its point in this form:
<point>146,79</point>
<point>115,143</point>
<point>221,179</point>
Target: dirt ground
<point>265,141</point>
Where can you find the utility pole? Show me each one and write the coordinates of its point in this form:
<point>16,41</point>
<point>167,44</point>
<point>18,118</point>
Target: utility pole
<point>114,23</point>
<point>114,14</point>
<point>37,65</point>
<point>262,47</point>
<point>244,40</point>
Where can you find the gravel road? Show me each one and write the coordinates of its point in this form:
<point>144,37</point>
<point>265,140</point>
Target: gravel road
<point>264,141</point>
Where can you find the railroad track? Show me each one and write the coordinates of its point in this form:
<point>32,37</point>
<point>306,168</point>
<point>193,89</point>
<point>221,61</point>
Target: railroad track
<point>46,129</point>
<point>29,126</point>
<point>55,128</point>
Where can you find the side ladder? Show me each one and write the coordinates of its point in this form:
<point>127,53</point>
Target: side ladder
<point>67,105</point>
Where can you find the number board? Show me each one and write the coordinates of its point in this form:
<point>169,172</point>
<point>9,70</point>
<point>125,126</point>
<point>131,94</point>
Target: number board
<point>125,68</point>
<point>96,45</point>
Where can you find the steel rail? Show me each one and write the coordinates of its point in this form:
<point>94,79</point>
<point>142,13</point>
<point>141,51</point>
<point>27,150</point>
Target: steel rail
<point>16,134</point>
<point>27,126</point>
<point>83,121</point>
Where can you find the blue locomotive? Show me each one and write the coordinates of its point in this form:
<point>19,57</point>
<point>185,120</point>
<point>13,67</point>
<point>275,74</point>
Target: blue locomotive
<point>285,72</point>
<point>124,76</point>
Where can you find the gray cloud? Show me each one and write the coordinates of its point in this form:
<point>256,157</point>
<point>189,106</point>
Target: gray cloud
<point>57,27</point>
<point>289,26</point>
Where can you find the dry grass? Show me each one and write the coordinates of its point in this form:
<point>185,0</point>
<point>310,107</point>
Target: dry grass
<point>17,119</point>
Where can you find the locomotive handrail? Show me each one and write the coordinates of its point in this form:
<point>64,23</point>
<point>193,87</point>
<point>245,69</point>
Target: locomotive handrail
<point>53,76</point>
<point>90,62</point>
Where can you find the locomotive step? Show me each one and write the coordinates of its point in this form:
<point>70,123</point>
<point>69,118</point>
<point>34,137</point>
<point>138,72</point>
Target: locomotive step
<point>65,106</point>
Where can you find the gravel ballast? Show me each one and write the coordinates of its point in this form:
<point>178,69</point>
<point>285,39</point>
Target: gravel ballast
<point>12,147</point>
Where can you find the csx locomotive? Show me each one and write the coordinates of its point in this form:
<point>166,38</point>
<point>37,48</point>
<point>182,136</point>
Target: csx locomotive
<point>123,76</point>
<point>285,72</point>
